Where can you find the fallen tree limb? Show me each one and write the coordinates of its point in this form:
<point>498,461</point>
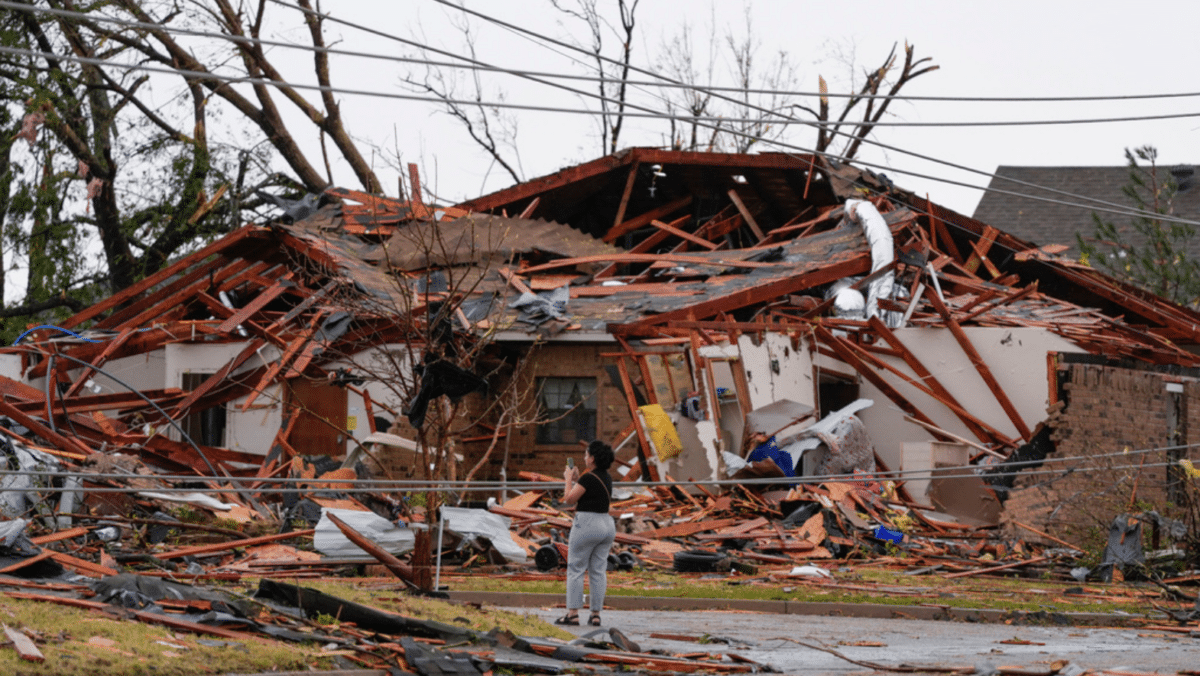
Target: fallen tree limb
<point>398,567</point>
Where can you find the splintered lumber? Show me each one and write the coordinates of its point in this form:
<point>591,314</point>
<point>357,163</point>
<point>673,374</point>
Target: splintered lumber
<point>924,374</point>
<point>22,563</point>
<point>1049,537</point>
<point>401,569</point>
<point>523,500</point>
<point>643,220</point>
<point>683,234</point>
<point>24,645</point>
<point>741,207</point>
<point>981,571</point>
<point>848,356</point>
<point>152,618</point>
<point>226,546</point>
<point>60,535</point>
<point>689,528</point>
<point>81,566</point>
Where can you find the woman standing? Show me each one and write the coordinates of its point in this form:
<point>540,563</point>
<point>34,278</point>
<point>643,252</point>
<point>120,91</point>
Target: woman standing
<point>592,532</point>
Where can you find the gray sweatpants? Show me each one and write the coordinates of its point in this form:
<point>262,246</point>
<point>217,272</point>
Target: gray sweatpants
<point>587,551</point>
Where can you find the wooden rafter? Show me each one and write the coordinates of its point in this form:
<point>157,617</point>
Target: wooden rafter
<point>981,366</point>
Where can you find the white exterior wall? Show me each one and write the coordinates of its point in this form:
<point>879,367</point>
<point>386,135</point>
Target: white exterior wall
<point>140,371</point>
<point>249,432</point>
<point>1015,356</point>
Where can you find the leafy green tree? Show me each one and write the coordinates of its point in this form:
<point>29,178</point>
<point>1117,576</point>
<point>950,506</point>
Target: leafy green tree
<point>107,172</point>
<point>1151,252</point>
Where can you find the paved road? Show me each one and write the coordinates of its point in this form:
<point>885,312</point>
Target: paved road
<point>764,638</point>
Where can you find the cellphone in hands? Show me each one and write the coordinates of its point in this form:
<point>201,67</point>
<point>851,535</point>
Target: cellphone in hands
<point>571,463</point>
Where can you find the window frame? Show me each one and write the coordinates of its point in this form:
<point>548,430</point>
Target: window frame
<point>587,406</point>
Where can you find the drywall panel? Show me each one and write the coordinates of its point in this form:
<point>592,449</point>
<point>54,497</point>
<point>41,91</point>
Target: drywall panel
<point>1016,357</point>
<point>794,379</point>
<point>775,370</point>
<point>756,361</point>
<point>698,461</point>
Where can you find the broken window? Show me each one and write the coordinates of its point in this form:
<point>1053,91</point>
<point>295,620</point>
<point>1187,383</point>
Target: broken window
<point>207,427</point>
<point>569,407</point>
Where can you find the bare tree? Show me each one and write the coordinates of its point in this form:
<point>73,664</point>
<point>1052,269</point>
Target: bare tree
<point>679,61</point>
<point>869,100</point>
<point>613,82</point>
<point>110,162</point>
<point>492,129</point>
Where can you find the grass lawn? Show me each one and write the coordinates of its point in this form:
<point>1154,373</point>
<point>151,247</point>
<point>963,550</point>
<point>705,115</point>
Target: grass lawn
<point>79,641</point>
<point>860,585</point>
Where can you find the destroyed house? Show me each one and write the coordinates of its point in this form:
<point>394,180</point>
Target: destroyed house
<point>709,314</point>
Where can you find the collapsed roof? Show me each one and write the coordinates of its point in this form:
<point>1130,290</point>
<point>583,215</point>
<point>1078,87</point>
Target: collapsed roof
<point>643,243</point>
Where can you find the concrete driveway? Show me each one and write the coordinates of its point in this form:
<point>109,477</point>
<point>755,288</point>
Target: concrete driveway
<point>770,638</point>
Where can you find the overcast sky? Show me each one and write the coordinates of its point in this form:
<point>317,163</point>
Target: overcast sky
<point>1016,48</point>
<point>1006,49</point>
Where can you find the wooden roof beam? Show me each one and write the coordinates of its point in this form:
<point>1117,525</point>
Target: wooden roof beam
<point>657,213</point>
<point>929,383</point>
<point>847,355</point>
<point>162,275</point>
<point>182,295</point>
<point>981,367</point>
<point>746,215</point>
<point>823,273</point>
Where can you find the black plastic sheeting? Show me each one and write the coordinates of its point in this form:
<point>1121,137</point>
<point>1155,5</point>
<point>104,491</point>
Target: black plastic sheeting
<point>312,602</point>
<point>139,592</point>
<point>441,378</point>
<point>16,547</point>
<point>129,590</point>
<point>430,662</point>
<point>1030,456</point>
<point>511,652</point>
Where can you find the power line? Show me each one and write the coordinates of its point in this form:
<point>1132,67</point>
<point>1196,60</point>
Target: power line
<point>788,120</point>
<point>1113,207</point>
<point>1015,467</point>
<point>207,75</point>
<point>241,39</point>
<point>1120,209</point>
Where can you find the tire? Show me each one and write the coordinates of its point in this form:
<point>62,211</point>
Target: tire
<point>697,561</point>
<point>627,561</point>
<point>546,558</point>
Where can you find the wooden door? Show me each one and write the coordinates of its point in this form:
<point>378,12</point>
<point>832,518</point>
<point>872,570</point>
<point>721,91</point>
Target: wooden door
<point>321,427</point>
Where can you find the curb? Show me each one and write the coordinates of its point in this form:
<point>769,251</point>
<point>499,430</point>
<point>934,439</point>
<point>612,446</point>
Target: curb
<point>786,607</point>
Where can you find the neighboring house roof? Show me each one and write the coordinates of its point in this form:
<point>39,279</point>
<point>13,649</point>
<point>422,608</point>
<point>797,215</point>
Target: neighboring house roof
<point>1056,219</point>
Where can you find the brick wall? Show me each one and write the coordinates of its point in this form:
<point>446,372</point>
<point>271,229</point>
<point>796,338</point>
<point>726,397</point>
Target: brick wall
<point>1104,410</point>
<point>573,360</point>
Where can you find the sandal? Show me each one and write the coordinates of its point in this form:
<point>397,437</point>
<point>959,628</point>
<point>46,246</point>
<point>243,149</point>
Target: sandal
<point>594,620</point>
<point>568,620</point>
